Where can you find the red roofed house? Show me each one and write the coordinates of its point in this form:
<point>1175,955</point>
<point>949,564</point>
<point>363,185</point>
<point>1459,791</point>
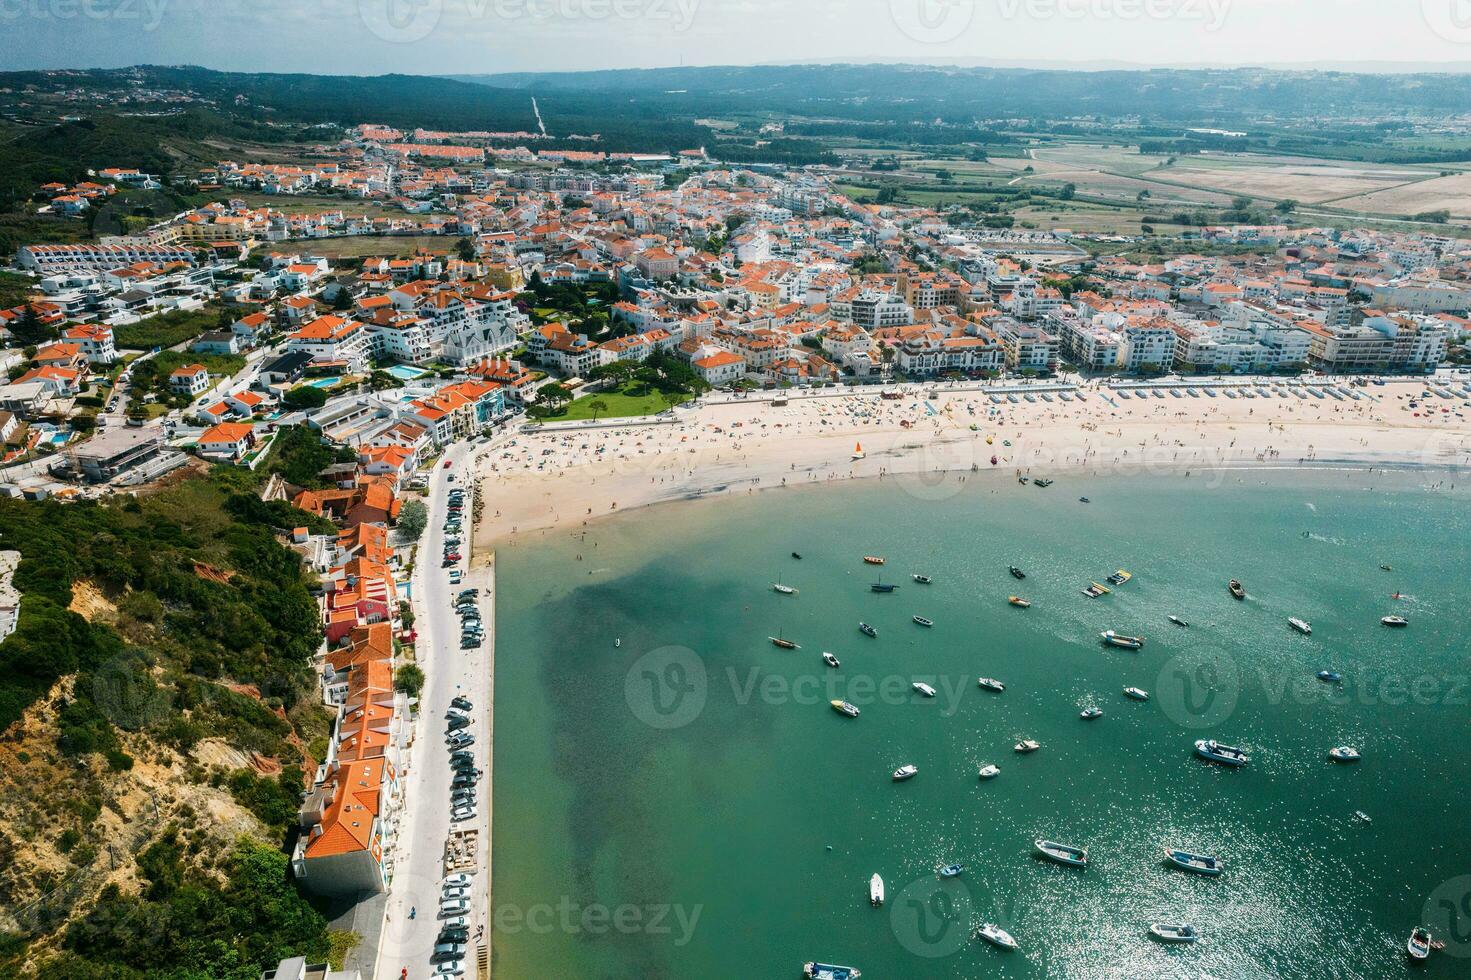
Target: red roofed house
<point>228,441</point>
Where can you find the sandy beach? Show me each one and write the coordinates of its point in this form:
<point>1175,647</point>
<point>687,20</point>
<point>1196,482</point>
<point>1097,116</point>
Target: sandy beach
<point>929,444</point>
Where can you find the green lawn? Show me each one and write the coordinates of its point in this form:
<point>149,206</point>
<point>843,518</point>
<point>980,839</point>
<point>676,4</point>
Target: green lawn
<point>621,403</point>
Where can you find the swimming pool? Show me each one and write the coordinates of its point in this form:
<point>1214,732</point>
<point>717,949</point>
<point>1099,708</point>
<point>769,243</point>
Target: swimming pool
<point>404,372</point>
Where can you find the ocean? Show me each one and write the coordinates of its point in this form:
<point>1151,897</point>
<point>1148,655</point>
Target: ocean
<point>674,797</point>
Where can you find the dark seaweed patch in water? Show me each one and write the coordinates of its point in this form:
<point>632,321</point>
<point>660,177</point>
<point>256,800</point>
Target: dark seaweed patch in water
<point>610,757</point>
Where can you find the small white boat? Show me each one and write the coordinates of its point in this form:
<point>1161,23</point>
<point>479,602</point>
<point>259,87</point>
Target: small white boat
<point>1137,693</point>
<point>1019,602</point>
<point>905,772</point>
<point>1115,639</point>
<point>1027,745</point>
<point>1301,625</point>
<point>844,708</point>
<point>1229,755</point>
<point>1395,621</point>
<point>991,684</point>
<point>783,589</point>
<point>829,971</point>
<point>996,936</point>
<point>989,771</point>
<point>1088,714</point>
<point>1344,753</point>
<point>875,890</point>
<point>1171,932</point>
<point>1201,864</point>
<point>1419,945</point>
<point>830,660</point>
<point>1063,853</point>
<point>1178,621</point>
<point>924,689</point>
<point>924,622</point>
<point>921,579</point>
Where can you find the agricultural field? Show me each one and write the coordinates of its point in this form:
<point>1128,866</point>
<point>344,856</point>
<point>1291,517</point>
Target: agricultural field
<point>1451,194</point>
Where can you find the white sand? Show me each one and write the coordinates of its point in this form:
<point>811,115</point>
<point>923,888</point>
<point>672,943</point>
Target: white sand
<point>744,446</point>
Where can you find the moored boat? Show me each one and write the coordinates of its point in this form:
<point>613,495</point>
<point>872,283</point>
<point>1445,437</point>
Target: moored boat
<point>1062,853</point>
<point>924,689</point>
<point>1026,745</point>
<point>873,559</point>
<point>1329,676</point>
<point>875,890</point>
<point>1395,621</point>
<point>829,971</point>
<point>923,622</point>
<point>1229,755</point>
<point>1344,753</point>
<point>830,660</point>
<point>1119,577</point>
<point>1301,625</point>
<point>1201,864</point>
<point>796,556</point>
<point>991,684</point>
<point>1016,572</point>
<point>1019,602</point>
<point>844,708</point>
<point>1171,932</point>
<point>1089,714</point>
<point>921,579</point>
<point>1419,944</point>
<point>989,771</point>
<point>951,871</point>
<point>996,936</point>
<point>1178,621</point>
<point>1094,590</point>
<point>783,589</point>
<point>785,644</point>
<point>1044,484</point>
<point>883,587</point>
<point>1236,589</point>
<point>1115,639</point>
<point>905,772</point>
<point>1136,693</point>
<point>867,630</point>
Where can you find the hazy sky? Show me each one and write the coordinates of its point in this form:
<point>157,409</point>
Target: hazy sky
<point>464,36</point>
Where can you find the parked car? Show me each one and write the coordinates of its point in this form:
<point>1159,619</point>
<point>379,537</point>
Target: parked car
<point>451,907</point>
<point>463,703</point>
<point>450,968</point>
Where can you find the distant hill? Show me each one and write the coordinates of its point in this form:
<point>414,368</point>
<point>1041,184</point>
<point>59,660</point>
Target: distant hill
<point>921,92</point>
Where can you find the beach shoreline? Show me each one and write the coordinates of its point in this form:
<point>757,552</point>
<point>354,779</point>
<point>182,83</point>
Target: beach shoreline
<point>554,478</point>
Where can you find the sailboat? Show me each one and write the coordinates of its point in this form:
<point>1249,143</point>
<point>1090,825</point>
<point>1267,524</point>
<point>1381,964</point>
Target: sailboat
<point>858,450</point>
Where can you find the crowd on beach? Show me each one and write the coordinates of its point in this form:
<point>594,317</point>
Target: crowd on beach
<point>547,477</point>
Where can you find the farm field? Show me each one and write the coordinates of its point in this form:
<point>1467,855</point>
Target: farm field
<point>1451,194</point>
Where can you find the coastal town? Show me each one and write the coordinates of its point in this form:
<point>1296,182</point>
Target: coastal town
<point>522,340</point>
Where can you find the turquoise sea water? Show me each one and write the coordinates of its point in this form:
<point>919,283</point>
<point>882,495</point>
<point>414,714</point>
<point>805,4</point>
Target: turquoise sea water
<point>686,804</point>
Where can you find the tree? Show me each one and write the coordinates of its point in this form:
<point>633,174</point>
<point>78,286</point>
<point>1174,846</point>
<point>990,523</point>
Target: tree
<point>413,516</point>
<point>382,381</point>
<point>554,396</point>
<point>1068,192</point>
<point>597,406</point>
<point>1287,206</point>
<point>304,397</point>
<point>465,249</point>
<point>409,679</point>
<point>29,329</point>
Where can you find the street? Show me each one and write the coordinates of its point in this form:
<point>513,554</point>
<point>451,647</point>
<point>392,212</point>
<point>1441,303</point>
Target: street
<point>419,851</point>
